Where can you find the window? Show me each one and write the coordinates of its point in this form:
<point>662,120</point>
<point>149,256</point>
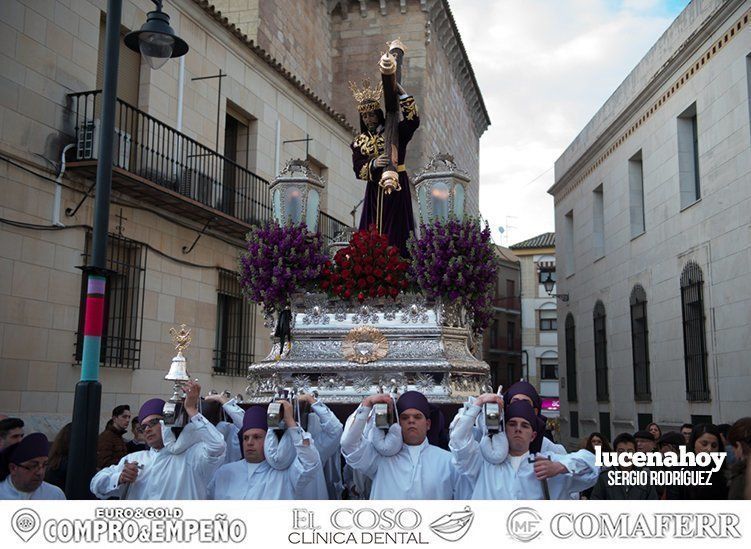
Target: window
<point>549,368</point>
<point>640,343</point>
<point>688,157</point>
<point>601,352</point>
<point>699,419</point>
<point>123,303</point>
<point>636,194</point>
<point>510,335</point>
<point>568,243</point>
<point>544,272</point>
<point>510,288</point>
<point>570,358</point>
<point>605,425</point>
<point>694,336</point>
<point>494,335</point>
<point>598,223</point>
<point>548,320</point>
<point>573,419</point>
<point>235,330</point>
<point>642,420</point>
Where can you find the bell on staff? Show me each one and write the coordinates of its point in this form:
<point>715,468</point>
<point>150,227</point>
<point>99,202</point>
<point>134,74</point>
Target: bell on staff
<point>178,370</point>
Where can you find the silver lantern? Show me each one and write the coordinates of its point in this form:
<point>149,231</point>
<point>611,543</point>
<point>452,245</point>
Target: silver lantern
<point>296,195</point>
<point>441,189</point>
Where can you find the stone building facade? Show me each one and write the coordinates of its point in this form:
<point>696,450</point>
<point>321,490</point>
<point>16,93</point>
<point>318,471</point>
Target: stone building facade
<point>539,328</point>
<point>651,214</point>
<point>501,341</point>
<point>181,185</point>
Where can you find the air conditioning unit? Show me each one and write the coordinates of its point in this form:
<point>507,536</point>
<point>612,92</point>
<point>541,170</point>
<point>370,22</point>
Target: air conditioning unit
<point>196,185</point>
<point>88,144</point>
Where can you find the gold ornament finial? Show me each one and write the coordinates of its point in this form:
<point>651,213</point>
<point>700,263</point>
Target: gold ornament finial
<point>367,97</point>
<point>181,339</point>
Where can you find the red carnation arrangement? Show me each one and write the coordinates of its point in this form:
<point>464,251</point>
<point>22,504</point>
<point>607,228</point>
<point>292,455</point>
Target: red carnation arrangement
<point>368,267</point>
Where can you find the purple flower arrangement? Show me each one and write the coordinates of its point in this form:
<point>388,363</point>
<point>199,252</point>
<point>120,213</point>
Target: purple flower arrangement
<point>457,260</point>
<point>279,261</point>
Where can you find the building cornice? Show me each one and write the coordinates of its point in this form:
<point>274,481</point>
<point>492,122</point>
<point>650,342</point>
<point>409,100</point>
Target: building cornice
<point>643,106</point>
<point>449,37</point>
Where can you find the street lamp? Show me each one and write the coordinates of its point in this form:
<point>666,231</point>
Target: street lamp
<point>88,394</point>
<point>549,284</point>
<point>156,40</point>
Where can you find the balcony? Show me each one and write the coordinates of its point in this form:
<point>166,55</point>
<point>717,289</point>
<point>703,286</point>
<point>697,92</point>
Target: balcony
<point>163,167</point>
<point>509,304</point>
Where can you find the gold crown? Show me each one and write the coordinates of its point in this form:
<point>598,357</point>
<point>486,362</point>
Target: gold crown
<point>367,97</point>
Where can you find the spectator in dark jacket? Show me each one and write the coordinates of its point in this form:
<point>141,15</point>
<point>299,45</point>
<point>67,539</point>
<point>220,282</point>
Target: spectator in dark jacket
<point>623,443</point>
<point>111,445</point>
<point>739,438</point>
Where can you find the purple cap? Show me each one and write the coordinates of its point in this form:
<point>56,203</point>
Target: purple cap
<point>254,418</point>
<point>524,388</point>
<point>31,447</point>
<point>153,407</point>
<point>525,411</point>
<point>413,399</point>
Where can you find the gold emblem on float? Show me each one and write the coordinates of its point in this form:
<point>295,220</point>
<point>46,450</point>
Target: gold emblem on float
<point>365,344</point>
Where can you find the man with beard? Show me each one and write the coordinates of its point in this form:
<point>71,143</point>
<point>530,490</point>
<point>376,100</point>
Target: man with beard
<point>11,431</point>
<point>174,467</point>
<point>22,468</point>
<point>253,477</point>
<point>111,445</point>
<point>523,474</point>
<point>417,470</point>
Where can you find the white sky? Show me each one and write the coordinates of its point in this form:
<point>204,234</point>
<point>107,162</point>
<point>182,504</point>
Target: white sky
<point>545,67</point>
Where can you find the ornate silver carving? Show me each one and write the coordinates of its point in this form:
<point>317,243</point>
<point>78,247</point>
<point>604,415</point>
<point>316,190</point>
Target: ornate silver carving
<point>362,384</point>
<point>332,382</point>
<point>365,315</point>
<point>301,383</point>
<point>424,383</point>
<point>416,313</point>
<point>317,315</point>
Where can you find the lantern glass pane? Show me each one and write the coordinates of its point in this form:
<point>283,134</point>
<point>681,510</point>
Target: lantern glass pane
<point>422,199</point>
<point>293,206</point>
<point>459,201</point>
<point>440,195</point>
<point>311,216</point>
<point>277,198</point>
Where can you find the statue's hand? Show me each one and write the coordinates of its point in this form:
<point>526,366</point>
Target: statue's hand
<point>382,161</point>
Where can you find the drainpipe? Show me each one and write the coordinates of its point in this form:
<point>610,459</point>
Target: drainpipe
<point>278,148</point>
<point>59,188</point>
<point>179,128</point>
<point>180,90</point>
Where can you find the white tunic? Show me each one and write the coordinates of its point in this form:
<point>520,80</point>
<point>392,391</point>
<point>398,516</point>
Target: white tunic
<point>243,480</point>
<point>180,470</point>
<point>514,478</point>
<point>425,472</point>
<point>45,491</point>
<point>230,430</point>
<point>326,430</point>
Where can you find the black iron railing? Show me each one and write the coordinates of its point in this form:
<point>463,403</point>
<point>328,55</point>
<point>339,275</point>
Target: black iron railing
<point>329,227</point>
<point>150,149</point>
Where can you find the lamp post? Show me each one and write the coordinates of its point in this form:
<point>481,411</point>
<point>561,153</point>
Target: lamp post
<point>549,284</point>
<point>155,35</point>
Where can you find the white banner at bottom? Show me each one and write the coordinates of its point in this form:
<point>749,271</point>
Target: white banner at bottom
<point>374,523</point>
